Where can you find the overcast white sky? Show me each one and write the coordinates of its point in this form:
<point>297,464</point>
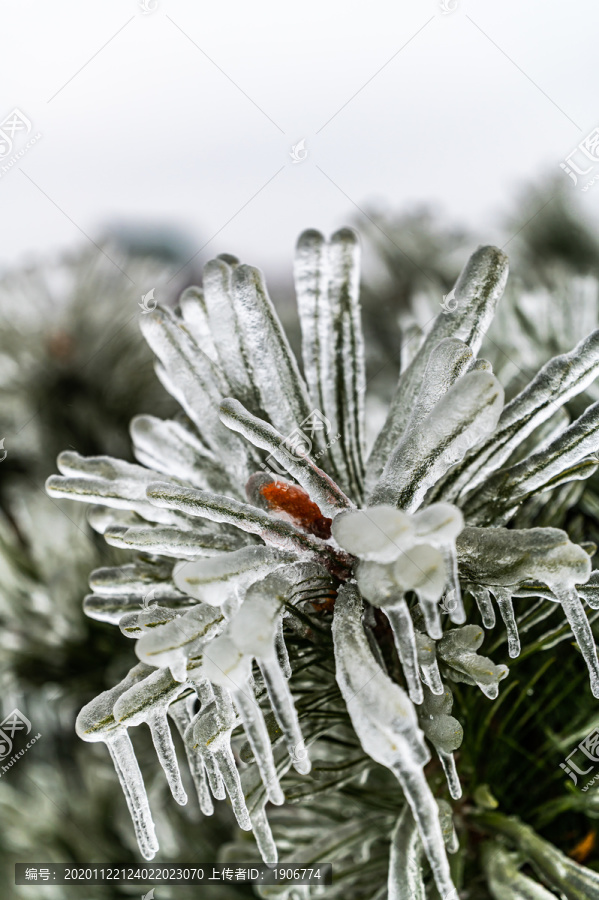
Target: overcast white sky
<point>186,114</point>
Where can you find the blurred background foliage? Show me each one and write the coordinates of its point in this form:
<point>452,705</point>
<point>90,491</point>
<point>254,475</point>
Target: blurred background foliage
<point>74,370</point>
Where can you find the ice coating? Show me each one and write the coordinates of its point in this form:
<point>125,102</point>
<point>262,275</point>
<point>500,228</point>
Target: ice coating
<point>504,878</point>
<point>510,486</point>
<point>169,541</point>
<point>274,371</point>
<point>501,556</point>
<point>458,649</point>
<point>109,482</point>
<point>440,524</point>
<point>224,356</point>
<point>444,732</point>
<point>248,518</point>
<point>173,644</point>
<point>319,486</point>
<point>477,292</point>
<point>467,413</point>
<point>378,533</point>
<point>225,330</point>
<point>562,378</point>
<point>566,877</point>
<point>327,287</point>
<point>400,553</point>
<point>448,361</point>
<point>198,384</point>
<point>121,589</point>
<point>171,447</point>
<point>213,579</point>
<point>406,877</point>
<point>405,880</point>
<point>195,315</point>
<point>504,558</point>
<point>387,726</point>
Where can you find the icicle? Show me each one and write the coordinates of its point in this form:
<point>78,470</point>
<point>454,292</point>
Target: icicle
<point>503,596</point>
<point>405,644</point>
<point>225,762</point>
<point>574,610</point>
<point>386,723</point>
<point>285,713</point>
<point>281,650</point>
<point>210,735</point>
<point>96,722</point>
<point>130,777</point>
<point>215,780</point>
<point>451,773</point>
<point>165,750</point>
<point>255,729</point>
<point>147,701</point>
<point>225,665</point>
<point>427,660</point>
<point>447,827</point>
<point>179,712</point>
<point>253,630</point>
<point>457,613</point>
<point>482,598</point>
<point>206,696</point>
<point>264,839</point>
